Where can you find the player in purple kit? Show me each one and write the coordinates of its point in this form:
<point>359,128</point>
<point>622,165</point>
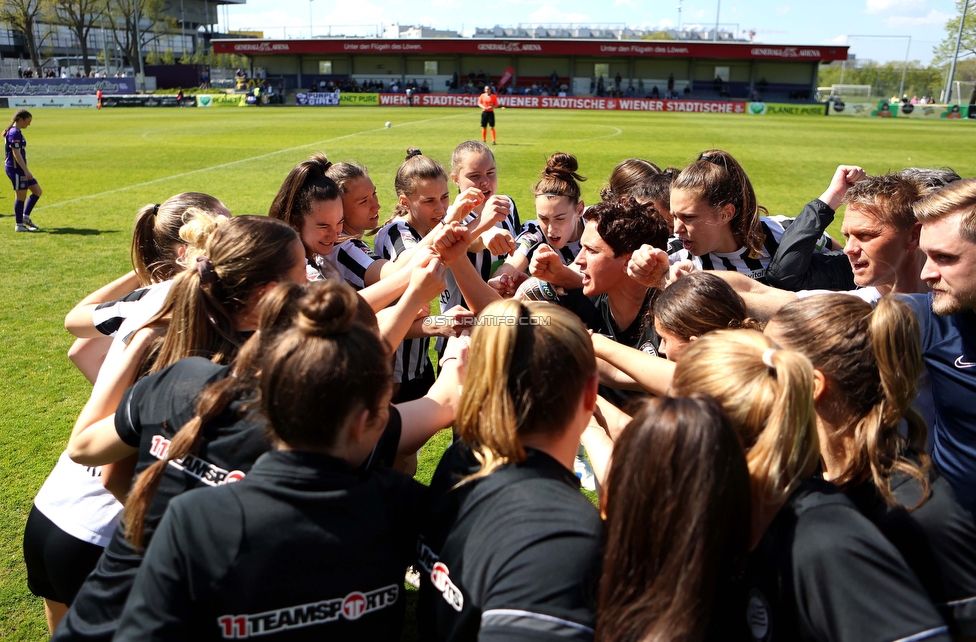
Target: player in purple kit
<point>15,149</point>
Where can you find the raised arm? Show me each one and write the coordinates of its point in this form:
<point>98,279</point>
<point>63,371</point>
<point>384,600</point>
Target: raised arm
<point>79,320</point>
<point>653,373</point>
<point>94,440</point>
<point>791,267</point>
<point>452,246</point>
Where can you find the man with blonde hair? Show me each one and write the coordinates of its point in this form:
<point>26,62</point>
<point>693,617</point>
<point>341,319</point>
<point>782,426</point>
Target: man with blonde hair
<point>947,319</point>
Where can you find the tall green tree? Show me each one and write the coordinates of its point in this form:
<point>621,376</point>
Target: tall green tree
<point>967,46</point>
<point>121,16</point>
<point>80,16</point>
<point>885,78</point>
<point>25,16</point>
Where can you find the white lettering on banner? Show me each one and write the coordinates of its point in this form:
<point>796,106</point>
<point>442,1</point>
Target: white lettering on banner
<point>571,102</point>
<point>785,52</point>
<point>318,98</point>
<point>262,47</point>
<point>513,47</point>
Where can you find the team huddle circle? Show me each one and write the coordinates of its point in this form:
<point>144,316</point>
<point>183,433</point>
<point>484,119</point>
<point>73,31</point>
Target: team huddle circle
<point>773,427</point>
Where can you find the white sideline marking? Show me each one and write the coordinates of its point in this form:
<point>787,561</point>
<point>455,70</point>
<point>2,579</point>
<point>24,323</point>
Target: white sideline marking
<point>237,162</point>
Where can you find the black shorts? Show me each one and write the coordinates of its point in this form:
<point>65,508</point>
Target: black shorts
<point>57,563</point>
<point>488,119</point>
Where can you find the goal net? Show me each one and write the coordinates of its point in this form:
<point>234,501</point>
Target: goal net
<point>848,92</point>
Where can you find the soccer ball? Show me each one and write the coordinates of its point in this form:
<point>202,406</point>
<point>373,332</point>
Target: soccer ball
<point>389,124</point>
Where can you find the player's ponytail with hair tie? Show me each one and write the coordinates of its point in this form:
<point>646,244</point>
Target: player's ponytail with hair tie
<point>155,209</point>
<point>525,377</point>
<point>276,312</point>
<point>413,151</point>
<point>205,268</point>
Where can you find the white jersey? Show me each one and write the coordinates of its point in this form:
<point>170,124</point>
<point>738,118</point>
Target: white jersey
<point>137,315</point>
<point>74,499</point>
<point>869,294</point>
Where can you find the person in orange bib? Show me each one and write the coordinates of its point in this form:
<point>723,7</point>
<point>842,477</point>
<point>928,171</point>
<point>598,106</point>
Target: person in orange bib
<point>488,101</point>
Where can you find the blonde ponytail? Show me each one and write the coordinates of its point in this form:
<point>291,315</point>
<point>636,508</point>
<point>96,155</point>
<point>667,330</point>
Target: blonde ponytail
<point>769,402</point>
<point>872,358</point>
<point>529,366</point>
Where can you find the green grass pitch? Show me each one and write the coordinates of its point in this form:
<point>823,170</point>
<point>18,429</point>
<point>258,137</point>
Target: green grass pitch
<point>98,168</point>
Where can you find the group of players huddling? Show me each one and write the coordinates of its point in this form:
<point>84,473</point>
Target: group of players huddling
<point>782,430</point>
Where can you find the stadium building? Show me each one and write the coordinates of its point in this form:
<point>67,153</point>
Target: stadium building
<point>720,69</point>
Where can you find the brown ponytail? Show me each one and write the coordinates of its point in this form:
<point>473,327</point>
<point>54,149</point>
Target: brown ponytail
<point>306,184</point>
<point>156,235</point>
<point>276,312</point>
<point>239,256</point>
<point>769,402</point>
<point>700,303</point>
<point>718,179</point>
<point>20,114</point>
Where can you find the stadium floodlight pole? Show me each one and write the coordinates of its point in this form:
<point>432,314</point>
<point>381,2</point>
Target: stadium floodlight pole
<point>904,69</point>
<point>182,29</point>
<point>310,19</point>
<point>955,54</point>
<point>142,69</point>
<point>679,15</point>
<point>718,9</point>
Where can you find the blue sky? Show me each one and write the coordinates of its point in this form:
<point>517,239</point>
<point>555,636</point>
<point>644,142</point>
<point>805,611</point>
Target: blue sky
<point>784,22</point>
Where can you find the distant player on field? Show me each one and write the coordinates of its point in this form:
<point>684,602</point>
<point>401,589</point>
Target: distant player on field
<point>488,101</point>
<point>16,166</point>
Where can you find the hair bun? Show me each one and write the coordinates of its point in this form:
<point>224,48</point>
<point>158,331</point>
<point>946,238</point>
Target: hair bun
<point>329,308</point>
<point>318,161</point>
<point>413,151</point>
<point>563,166</point>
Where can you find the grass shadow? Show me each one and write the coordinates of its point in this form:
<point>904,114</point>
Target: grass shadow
<point>80,231</point>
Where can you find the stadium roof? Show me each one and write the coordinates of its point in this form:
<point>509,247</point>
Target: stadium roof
<point>534,47</point>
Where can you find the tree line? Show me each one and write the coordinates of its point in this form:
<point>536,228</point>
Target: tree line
<point>34,18</point>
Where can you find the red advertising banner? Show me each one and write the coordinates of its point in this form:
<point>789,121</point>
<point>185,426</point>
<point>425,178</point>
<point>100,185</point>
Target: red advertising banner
<point>570,102</point>
<point>537,47</point>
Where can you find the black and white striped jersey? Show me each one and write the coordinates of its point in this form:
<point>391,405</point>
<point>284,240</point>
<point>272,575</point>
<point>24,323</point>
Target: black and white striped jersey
<point>532,237</point>
<point>743,260</point>
<point>108,317</point>
<point>483,262</point>
<point>352,258</point>
<point>411,359</point>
